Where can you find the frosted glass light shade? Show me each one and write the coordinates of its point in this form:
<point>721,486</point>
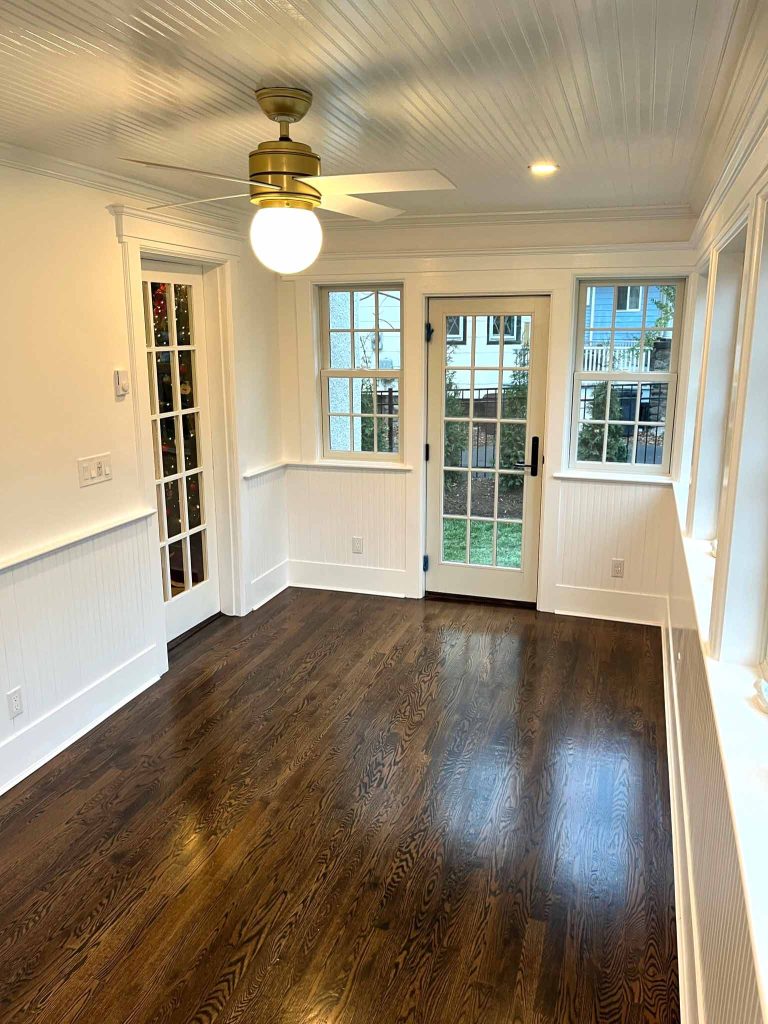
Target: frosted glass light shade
<point>286,240</point>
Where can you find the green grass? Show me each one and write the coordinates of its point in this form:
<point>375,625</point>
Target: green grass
<point>509,543</point>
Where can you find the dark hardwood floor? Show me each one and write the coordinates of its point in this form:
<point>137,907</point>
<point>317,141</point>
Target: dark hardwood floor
<point>356,810</point>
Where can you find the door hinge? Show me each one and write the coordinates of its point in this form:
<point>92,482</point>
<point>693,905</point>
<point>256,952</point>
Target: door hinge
<point>428,331</point>
<point>425,563</point>
<point>426,453</point>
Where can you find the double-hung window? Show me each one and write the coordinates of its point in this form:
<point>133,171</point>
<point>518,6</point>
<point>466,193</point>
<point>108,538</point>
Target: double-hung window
<point>361,371</point>
<point>626,375</point>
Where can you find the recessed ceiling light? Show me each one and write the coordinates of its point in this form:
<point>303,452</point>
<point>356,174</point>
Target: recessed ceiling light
<point>542,168</point>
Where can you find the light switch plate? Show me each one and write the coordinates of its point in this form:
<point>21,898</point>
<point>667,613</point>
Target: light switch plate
<point>95,469</point>
<point>122,383</point>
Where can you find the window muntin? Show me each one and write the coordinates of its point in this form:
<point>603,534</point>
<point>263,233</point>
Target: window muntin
<point>361,372</point>
<point>625,378</point>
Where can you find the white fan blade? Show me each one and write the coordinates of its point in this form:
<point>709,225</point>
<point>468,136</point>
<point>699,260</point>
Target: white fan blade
<point>351,206</point>
<point>205,174</point>
<point>379,181</point>
<point>194,202</point>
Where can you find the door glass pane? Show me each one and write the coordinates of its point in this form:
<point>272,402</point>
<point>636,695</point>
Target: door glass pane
<point>170,461</point>
<point>480,543</point>
<point>514,394</point>
<point>483,495</point>
<point>486,395</point>
<point>187,379</point>
<point>509,545</point>
<point>164,382</point>
<point>517,341</point>
<point>194,486</point>
<point>189,429</point>
<point>456,447</point>
<point>172,508</point>
<point>510,503</point>
<point>487,341</point>
<point>485,381</point>
<point>457,392</point>
<point>458,341</point>
<point>183,311</point>
<point>454,540</point>
<point>197,558</point>
<point>484,445</point>
<point>176,564</point>
<point>160,314</point>
<point>454,493</point>
<point>512,445</point>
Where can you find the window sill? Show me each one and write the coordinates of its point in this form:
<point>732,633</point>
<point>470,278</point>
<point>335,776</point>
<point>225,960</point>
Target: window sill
<point>614,478</point>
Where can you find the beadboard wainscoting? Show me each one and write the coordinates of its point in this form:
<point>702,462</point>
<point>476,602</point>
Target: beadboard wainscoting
<point>598,520</point>
<point>266,545</point>
<point>327,507</point>
<point>716,952</point>
<point>81,632</point>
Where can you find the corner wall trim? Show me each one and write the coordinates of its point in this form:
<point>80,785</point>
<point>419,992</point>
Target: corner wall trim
<point>616,605</point>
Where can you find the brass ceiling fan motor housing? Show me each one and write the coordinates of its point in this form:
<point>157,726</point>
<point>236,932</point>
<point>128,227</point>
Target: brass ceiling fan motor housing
<point>282,161</point>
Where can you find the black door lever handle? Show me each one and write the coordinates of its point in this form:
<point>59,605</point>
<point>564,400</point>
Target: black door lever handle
<point>533,465</point>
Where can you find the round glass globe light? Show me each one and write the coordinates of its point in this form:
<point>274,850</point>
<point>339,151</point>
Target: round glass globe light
<point>286,240</point>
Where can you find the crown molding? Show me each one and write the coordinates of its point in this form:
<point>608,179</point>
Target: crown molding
<point>34,162</point>
<point>150,225</point>
<point>514,217</point>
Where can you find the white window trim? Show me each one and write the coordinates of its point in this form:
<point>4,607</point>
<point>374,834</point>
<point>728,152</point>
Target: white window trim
<point>331,454</point>
<point>669,377</point>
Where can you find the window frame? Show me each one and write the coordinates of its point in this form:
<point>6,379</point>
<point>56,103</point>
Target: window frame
<point>326,373</point>
<point>668,377</point>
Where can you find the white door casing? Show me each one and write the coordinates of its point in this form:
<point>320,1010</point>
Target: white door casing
<point>181,436</point>
<point>485,419</point>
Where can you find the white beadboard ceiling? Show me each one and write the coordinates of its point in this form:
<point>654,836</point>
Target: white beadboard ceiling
<point>623,94</point>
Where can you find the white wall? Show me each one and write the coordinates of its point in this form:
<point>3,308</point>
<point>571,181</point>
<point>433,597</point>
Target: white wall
<point>333,504</point>
<point>81,616</point>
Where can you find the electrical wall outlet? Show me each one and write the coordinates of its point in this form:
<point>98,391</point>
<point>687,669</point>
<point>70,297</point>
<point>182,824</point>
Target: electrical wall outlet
<point>15,702</point>
<point>96,469</point>
<point>617,568</point>
<point>357,545</point>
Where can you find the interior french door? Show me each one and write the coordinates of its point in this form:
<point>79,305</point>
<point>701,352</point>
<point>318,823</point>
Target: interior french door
<point>487,365</point>
<point>181,441</point>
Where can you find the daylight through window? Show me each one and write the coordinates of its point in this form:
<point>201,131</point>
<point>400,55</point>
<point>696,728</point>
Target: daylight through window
<point>626,373</point>
<point>361,372</point>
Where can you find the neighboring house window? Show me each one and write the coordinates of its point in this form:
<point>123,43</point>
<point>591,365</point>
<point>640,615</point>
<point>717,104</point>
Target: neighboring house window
<point>361,372</point>
<point>629,298</point>
<point>626,375</point>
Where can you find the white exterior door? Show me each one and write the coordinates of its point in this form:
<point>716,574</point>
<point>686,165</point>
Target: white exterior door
<point>181,439</point>
<point>487,366</point>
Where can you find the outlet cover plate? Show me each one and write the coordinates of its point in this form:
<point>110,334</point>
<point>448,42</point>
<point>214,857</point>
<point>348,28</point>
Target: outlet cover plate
<point>617,568</point>
<point>357,545</point>
<point>15,702</point>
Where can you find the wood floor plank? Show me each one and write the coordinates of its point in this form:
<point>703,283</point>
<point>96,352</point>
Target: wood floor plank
<point>346,808</point>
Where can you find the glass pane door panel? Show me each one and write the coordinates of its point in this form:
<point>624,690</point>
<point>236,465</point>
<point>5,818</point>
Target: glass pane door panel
<point>180,477</point>
<point>486,379</point>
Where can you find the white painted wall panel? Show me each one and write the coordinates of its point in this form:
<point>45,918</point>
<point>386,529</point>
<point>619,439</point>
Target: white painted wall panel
<point>718,972</point>
<point>79,634</point>
<point>266,517</point>
<point>602,520</point>
<point>328,507</point>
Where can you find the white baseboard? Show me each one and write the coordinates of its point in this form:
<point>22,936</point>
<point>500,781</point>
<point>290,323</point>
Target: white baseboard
<point>358,579</point>
<point>618,605</point>
<point>268,585</point>
<point>32,746</point>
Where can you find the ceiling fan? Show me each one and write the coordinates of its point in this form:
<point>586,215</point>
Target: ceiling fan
<point>285,183</point>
